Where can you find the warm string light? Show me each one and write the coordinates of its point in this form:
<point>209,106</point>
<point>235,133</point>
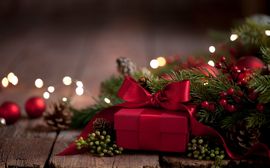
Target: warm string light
<point>51,89</point>
<point>39,83</point>
<point>79,84</point>
<point>212,49</point>
<point>79,91</point>
<point>155,63</point>
<point>5,82</point>
<point>233,37</point>
<point>10,78</point>
<point>267,32</point>
<point>46,95</point>
<point>107,100</point>
<point>67,80</point>
<point>64,99</point>
<point>161,61</point>
<point>211,63</point>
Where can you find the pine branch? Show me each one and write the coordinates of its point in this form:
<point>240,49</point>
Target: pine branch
<point>211,118</point>
<point>256,120</point>
<point>109,89</point>
<point>82,117</point>
<point>261,84</point>
<point>229,120</point>
<point>252,32</point>
<point>265,54</point>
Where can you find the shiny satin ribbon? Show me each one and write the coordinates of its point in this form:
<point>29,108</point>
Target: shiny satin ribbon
<point>171,97</point>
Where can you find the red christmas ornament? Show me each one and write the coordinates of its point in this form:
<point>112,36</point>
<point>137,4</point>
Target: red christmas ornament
<point>207,69</point>
<point>10,111</point>
<point>35,107</point>
<point>250,62</point>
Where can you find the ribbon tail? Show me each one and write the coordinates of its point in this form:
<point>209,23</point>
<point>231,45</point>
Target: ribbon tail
<point>199,129</point>
<point>107,114</point>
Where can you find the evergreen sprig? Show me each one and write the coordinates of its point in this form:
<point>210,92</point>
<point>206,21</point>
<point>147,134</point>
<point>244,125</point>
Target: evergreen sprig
<point>109,89</point>
<point>83,116</point>
<point>256,120</point>
<point>265,54</point>
<point>252,32</point>
<point>261,84</point>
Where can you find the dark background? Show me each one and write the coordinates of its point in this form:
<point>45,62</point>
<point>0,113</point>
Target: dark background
<point>82,38</point>
<point>199,13</point>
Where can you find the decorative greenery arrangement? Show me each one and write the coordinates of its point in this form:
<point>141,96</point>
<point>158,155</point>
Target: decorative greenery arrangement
<point>233,97</point>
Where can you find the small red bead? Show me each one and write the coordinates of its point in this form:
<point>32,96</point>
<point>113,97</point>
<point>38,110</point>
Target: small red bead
<point>223,94</point>
<point>240,93</point>
<point>237,99</point>
<point>212,107</point>
<point>260,107</point>
<point>205,104</point>
<point>235,69</point>
<point>230,91</point>
<point>230,108</point>
<point>242,82</point>
<point>223,102</point>
<point>218,65</point>
<point>253,96</point>
<point>222,59</point>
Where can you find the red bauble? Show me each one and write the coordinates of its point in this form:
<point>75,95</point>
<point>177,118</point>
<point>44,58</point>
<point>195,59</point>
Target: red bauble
<point>250,62</point>
<point>10,111</point>
<point>35,107</point>
<point>207,69</point>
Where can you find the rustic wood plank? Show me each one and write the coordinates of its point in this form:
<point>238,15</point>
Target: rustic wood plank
<point>183,162</point>
<point>27,143</point>
<point>87,160</point>
<point>26,152</point>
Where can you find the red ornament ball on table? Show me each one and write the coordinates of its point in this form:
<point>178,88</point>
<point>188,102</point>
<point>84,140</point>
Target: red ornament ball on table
<point>10,111</point>
<point>35,107</point>
<point>250,62</point>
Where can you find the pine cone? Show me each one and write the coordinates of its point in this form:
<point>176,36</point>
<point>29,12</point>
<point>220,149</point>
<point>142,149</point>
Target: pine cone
<point>58,116</point>
<point>101,124</point>
<point>125,66</point>
<point>143,81</point>
<point>242,138</point>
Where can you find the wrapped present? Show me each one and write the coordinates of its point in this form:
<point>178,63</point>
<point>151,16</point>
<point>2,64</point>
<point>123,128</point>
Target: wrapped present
<point>152,129</point>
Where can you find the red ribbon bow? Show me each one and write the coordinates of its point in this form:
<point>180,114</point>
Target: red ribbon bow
<point>170,98</point>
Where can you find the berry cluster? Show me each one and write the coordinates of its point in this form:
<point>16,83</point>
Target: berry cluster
<point>201,149</point>
<point>232,100</point>
<point>229,99</point>
<point>99,143</point>
<point>237,74</point>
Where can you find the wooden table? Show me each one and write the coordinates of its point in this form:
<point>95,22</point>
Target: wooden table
<point>30,143</point>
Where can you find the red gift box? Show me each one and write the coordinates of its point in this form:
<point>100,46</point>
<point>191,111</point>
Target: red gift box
<point>152,129</point>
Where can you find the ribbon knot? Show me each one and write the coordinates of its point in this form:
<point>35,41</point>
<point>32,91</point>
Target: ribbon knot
<point>171,97</point>
<point>156,99</point>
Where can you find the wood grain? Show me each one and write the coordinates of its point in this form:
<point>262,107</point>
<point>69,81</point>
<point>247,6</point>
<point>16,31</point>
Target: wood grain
<point>183,162</point>
<point>25,144</point>
<point>87,160</point>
